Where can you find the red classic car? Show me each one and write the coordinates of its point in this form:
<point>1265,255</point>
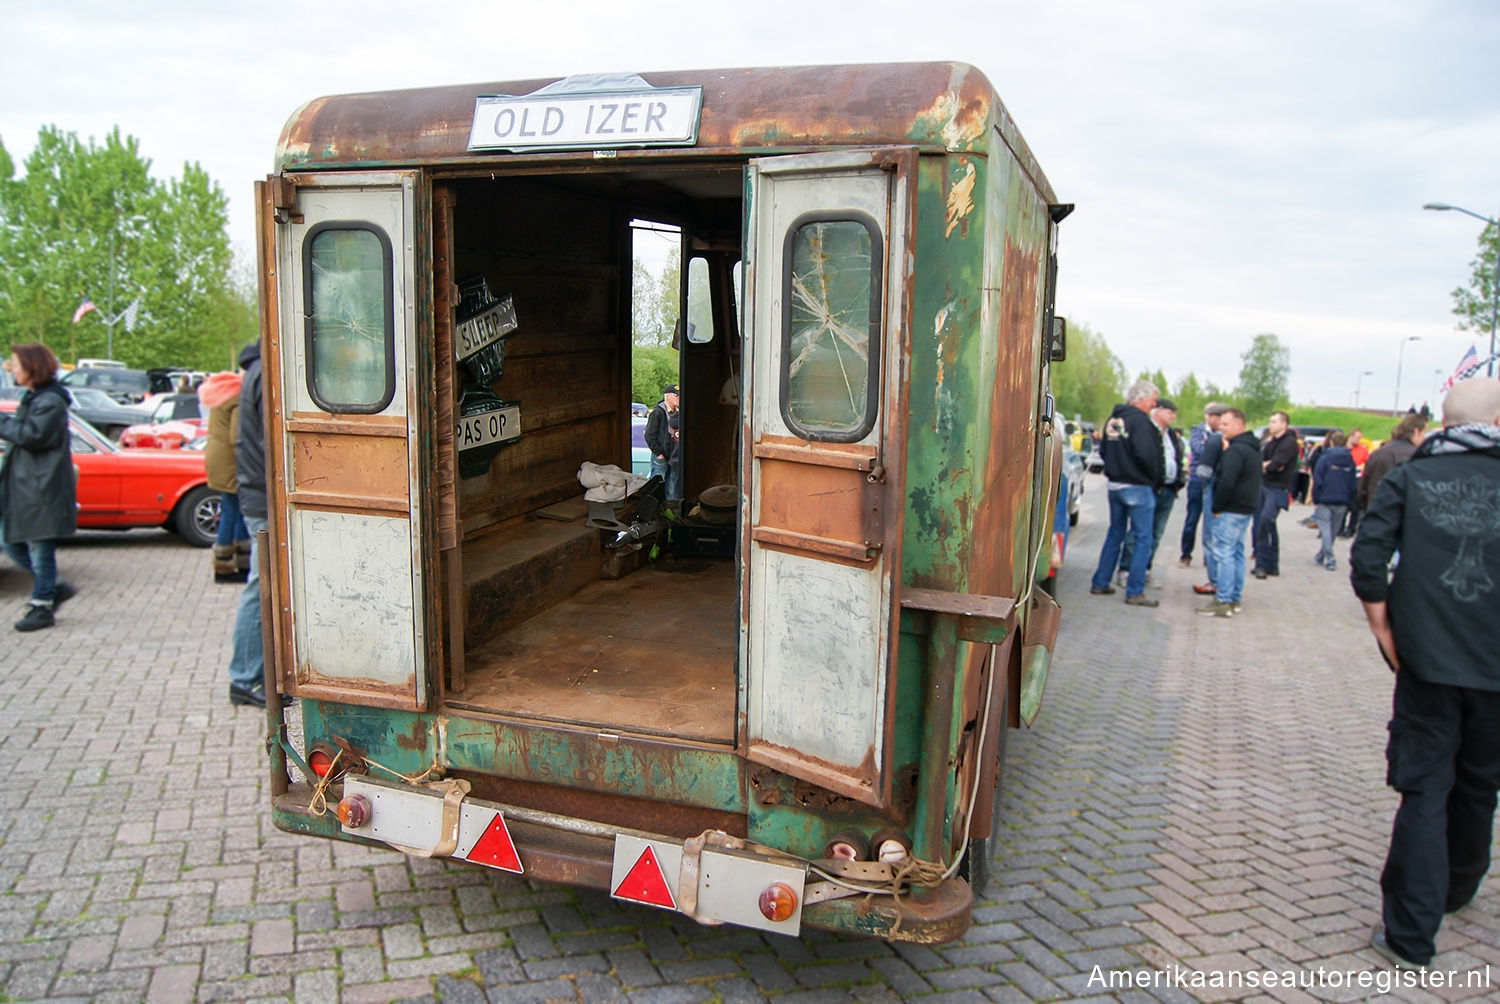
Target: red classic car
<point>119,489</point>
<point>169,421</point>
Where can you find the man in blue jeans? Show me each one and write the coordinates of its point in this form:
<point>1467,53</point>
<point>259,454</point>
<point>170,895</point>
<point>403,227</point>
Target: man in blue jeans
<point>1279,461</point>
<point>247,664</point>
<point>1236,493</point>
<point>1132,448</point>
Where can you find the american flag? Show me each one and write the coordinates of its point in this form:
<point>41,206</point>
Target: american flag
<point>1465,369</point>
<point>83,308</point>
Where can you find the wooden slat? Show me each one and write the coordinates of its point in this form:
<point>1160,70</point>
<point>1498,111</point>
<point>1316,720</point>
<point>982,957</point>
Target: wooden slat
<point>376,425</point>
<point>347,502</point>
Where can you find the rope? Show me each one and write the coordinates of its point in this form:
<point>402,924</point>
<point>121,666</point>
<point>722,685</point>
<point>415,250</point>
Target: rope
<point>318,805</point>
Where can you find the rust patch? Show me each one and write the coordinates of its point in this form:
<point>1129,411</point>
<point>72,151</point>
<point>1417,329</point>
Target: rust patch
<point>601,807</point>
<point>415,738</point>
<point>1001,519</point>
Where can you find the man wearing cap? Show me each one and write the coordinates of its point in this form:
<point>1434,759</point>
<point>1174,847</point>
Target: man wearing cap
<point>1132,468</point>
<point>1174,476</point>
<point>659,432</point>
<point>1201,438</point>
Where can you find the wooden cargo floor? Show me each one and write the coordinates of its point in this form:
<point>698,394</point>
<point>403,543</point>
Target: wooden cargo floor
<point>650,653</point>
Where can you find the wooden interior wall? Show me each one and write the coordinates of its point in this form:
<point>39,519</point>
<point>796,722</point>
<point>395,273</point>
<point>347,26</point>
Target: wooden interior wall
<point>558,255</point>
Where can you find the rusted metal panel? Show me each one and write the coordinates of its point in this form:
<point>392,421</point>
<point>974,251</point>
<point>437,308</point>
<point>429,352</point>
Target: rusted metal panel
<point>807,505</point>
<point>652,815</point>
<point>939,917</point>
<point>993,608</point>
<point>937,106</point>
<point>373,467</point>
<point>1036,657</point>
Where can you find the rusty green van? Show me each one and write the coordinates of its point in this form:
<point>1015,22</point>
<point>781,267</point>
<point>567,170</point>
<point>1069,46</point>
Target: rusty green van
<point>781,701</point>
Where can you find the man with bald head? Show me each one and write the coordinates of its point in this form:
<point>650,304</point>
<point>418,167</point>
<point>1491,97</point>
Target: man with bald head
<point>1434,622</point>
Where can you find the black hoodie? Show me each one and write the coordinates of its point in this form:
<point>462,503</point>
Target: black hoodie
<point>1237,485</point>
<point>1441,510</point>
<point>250,444</point>
<point>1132,447</point>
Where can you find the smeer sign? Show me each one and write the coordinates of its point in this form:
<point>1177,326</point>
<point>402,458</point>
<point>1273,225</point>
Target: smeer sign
<point>646,116</point>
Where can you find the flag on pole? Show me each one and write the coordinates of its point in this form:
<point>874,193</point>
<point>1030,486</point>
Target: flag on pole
<point>1467,367</point>
<point>83,308</point>
<point>130,312</point>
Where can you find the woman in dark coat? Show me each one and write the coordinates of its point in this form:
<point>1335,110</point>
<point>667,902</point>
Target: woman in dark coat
<point>37,501</point>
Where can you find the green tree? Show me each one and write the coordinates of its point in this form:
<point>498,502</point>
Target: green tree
<point>1189,397</point>
<point>1474,303</point>
<point>652,367</point>
<point>1157,379</point>
<point>1090,381</point>
<point>87,220</point>
<point>1264,370</point>
<point>654,305</point>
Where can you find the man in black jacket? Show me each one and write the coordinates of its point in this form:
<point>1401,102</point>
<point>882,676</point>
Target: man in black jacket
<point>659,432</point>
<point>1174,476</point>
<point>247,664</point>
<point>1279,456</point>
<point>1434,622</point>
<point>1133,468</point>
<point>1236,493</point>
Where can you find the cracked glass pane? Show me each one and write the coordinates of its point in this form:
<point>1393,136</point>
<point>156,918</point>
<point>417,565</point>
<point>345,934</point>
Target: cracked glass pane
<point>350,352</point>
<point>828,349</point>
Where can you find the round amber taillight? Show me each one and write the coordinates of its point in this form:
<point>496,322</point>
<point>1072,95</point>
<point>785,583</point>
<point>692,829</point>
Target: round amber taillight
<point>353,811</point>
<point>777,901</point>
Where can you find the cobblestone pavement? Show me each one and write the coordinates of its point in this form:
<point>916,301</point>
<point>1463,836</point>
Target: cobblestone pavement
<point>1198,796</point>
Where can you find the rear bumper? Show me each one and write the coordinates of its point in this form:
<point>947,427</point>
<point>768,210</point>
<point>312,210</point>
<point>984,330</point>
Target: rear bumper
<point>581,853</point>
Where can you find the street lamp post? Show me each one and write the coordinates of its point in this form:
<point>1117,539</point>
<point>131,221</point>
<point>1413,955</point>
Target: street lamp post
<point>1359,380</point>
<point>1443,207</point>
<point>1396,409</point>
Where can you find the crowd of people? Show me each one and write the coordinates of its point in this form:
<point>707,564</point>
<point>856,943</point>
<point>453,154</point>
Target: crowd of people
<point>1237,485</point>
<point>1419,510</point>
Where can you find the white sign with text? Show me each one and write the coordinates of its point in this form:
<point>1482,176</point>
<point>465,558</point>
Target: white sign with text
<point>666,116</point>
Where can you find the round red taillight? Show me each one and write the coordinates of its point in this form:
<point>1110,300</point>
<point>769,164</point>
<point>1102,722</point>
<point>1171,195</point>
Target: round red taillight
<point>320,761</point>
<point>777,901</point>
<point>847,845</point>
<point>353,811</point>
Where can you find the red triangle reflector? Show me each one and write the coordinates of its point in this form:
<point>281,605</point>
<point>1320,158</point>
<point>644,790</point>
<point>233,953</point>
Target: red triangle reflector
<point>644,883</point>
<point>495,849</point>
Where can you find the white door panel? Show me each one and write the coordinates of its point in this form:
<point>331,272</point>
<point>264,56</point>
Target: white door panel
<point>826,233</point>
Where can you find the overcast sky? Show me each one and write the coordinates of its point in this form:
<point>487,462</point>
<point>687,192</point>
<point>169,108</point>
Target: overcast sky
<point>1239,166</point>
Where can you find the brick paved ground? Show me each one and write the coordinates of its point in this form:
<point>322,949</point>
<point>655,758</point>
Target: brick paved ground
<point>1197,793</point>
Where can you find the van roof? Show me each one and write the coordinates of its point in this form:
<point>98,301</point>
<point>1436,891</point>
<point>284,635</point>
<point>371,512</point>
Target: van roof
<point>936,106</point>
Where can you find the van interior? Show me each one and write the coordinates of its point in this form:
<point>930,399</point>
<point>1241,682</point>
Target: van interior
<point>557,613</point>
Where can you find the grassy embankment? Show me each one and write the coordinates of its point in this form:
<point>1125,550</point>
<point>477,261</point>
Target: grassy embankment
<point>1374,424</point>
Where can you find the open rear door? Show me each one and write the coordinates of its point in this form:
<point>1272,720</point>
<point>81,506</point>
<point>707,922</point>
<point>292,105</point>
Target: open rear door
<point>345,367</point>
<point>829,247</point>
